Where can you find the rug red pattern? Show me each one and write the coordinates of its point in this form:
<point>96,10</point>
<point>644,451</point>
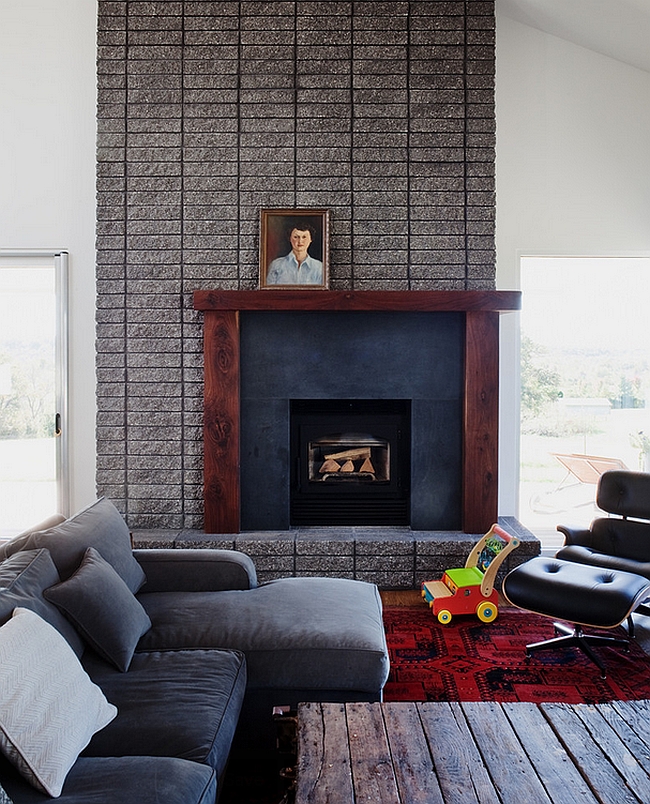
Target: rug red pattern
<point>468,660</point>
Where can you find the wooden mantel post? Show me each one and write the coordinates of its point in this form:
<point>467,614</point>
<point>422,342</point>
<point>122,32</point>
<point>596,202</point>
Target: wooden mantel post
<point>481,422</point>
<point>221,354</point>
<point>481,392</point>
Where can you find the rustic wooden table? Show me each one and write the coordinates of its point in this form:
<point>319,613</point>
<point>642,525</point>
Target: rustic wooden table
<point>437,753</point>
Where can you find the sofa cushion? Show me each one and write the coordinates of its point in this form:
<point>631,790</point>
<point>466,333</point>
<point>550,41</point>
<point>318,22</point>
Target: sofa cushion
<point>297,633</point>
<point>49,708</point>
<point>172,703</point>
<point>101,526</point>
<point>23,577</point>
<point>123,780</point>
<point>102,608</point>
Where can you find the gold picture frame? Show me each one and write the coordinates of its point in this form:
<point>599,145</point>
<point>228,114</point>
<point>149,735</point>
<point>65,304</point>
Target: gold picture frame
<point>294,249</point>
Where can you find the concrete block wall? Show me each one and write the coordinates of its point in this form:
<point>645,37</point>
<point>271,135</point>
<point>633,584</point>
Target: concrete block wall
<point>393,558</point>
<point>208,112</point>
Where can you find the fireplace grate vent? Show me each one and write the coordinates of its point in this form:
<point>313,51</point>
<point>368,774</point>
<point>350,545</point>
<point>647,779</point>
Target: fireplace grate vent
<point>349,512</point>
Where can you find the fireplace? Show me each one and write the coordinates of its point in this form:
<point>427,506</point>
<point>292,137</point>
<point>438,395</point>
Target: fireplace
<point>436,349</point>
<point>350,461</point>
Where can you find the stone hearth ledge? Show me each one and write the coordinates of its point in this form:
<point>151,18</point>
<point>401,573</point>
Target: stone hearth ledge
<point>391,557</point>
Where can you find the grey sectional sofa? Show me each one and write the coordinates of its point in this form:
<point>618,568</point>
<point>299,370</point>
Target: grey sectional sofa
<point>186,647</point>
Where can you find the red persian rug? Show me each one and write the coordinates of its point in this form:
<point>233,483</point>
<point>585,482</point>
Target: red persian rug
<point>468,660</point>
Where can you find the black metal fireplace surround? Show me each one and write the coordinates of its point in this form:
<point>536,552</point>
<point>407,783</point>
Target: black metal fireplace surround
<point>355,371</point>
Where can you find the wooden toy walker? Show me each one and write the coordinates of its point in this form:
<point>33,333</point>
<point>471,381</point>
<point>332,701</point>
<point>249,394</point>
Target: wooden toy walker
<point>470,589</point>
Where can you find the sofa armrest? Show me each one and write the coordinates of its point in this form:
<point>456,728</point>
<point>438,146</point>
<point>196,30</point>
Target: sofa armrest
<point>201,570</point>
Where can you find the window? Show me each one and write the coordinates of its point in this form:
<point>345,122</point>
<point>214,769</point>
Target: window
<point>33,388</point>
<point>585,383</point>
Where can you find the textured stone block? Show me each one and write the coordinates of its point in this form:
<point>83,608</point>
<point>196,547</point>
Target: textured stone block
<point>154,538</point>
<point>387,580</point>
<point>307,139</point>
<point>336,566</point>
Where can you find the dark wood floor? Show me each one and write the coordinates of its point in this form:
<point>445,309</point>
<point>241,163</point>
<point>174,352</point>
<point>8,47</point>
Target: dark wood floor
<point>399,598</point>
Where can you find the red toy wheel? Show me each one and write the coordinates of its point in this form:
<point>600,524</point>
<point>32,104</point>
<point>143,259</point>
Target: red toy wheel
<point>444,616</point>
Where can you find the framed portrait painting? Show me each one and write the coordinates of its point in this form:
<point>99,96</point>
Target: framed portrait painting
<point>294,249</point>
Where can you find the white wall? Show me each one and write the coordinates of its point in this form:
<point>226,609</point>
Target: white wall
<point>47,176</point>
<point>573,175</point>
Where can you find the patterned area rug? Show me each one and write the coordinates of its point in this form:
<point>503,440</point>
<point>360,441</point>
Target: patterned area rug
<point>471,661</point>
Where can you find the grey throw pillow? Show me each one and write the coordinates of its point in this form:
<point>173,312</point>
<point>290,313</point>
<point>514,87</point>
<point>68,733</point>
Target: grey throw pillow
<point>102,608</point>
<point>23,577</point>
<point>101,526</point>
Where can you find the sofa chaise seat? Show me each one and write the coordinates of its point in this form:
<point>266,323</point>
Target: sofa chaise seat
<point>188,651</point>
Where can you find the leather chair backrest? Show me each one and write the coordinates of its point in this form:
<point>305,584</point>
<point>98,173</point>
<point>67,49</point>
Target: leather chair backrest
<point>624,493</point>
<point>625,538</point>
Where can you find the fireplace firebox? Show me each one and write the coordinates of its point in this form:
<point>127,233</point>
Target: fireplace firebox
<point>351,461</point>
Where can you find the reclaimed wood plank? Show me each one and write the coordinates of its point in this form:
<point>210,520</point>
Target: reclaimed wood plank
<point>637,715</point>
<point>603,778</point>
<point>481,422</point>
<point>392,300</point>
<point>459,767</point>
<point>416,777</point>
<point>558,774</point>
<point>373,776</point>
<point>633,730</point>
<point>616,750</point>
<point>221,354</point>
<point>509,767</point>
<point>323,775</point>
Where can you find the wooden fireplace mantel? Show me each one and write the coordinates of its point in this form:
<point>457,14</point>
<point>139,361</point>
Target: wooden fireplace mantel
<point>423,301</point>
<point>481,390</point>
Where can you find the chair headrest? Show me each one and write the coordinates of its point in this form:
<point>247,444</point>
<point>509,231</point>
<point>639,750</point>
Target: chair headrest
<point>624,493</point>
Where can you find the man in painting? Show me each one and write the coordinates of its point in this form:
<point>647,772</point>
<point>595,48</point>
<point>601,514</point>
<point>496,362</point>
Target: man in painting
<point>298,267</point>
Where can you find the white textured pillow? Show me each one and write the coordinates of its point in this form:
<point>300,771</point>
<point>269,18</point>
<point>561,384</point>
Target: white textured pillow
<point>49,707</point>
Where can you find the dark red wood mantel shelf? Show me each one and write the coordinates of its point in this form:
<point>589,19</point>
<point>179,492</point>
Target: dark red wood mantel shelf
<point>481,390</point>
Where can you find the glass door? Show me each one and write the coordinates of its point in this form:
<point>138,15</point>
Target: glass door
<point>33,368</point>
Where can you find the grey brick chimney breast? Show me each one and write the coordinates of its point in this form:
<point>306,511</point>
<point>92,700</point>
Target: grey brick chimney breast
<point>381,112</point>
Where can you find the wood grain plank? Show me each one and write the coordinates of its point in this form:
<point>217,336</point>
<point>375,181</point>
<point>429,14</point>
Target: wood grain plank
<point>509,767</point>
<point>412,762</point>
<point>602,777</point>
<point>558,774</point>
<point>481,422</point>
<point>637,715</point>
<point>631,726</point>
<point>459,766</point>
<point>617,750</point>
<point>419,301</point>
<point>324,775</point>
<point>372,768</point>
<point>221,422</point>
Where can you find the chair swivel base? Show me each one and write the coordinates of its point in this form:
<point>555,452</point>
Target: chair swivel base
<point>575,637</point>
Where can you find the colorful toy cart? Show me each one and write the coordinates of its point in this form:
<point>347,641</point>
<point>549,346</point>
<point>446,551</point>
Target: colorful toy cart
<point>470,589</point>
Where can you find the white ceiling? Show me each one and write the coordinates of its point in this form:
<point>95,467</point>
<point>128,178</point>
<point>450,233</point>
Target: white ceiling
<point>616,28</point>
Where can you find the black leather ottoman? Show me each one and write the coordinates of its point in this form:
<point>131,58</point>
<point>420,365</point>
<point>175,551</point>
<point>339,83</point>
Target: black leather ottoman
<point>580,594</point>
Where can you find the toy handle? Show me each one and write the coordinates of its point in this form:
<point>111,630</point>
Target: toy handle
<point>499,531</point>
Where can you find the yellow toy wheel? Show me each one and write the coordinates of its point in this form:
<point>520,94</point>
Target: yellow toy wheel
<point>487,612</point>
<point>444,617</point>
